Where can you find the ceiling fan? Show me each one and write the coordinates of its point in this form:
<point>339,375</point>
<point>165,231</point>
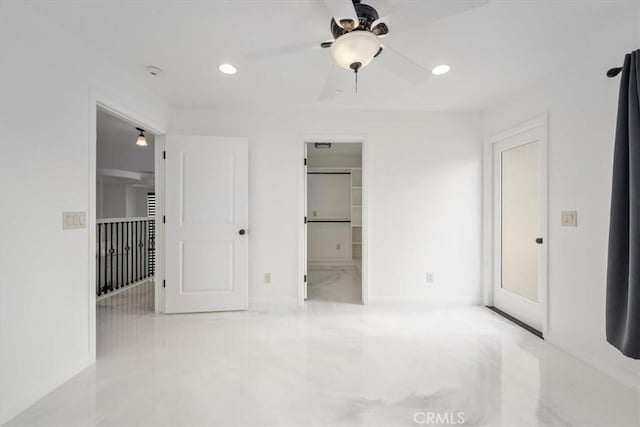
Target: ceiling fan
<point>359,30</point>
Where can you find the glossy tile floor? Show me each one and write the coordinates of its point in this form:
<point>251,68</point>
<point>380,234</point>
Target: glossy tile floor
<point>328,364</point>
<point>334,284</point>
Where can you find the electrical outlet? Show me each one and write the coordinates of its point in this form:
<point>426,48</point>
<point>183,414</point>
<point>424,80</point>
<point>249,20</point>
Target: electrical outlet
<point>338,246</point>
<point>267,278</point>
<point>429,277</point>
<point>569,218</point>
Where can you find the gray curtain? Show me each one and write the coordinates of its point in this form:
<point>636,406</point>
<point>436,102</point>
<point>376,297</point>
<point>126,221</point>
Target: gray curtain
<point>623,272</point>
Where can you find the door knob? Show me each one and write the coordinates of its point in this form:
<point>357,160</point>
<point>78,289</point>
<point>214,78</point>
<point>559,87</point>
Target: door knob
<point>242,232</point>
<point>539,240</point>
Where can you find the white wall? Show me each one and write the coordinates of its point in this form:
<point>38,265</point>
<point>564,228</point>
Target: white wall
<point>139,207</point>
<point>111,201</point>
<point>581,102</point>
<point>328,241</point>
<point>424,175</point>
<point>129,157</point>
<point>46,78</point>
<point>328,197</point>
<point>118,200</point>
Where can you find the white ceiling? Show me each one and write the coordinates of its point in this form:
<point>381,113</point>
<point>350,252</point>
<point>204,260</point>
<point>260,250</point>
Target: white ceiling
<point>493,48</point>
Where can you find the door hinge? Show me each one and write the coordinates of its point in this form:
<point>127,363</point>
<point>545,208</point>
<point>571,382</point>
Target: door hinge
<point>305,219</point>
<point>305,278</point>
<point>164,154</point>
<point>164,283</point>
<point>164,219</point>
<point>305,162</point>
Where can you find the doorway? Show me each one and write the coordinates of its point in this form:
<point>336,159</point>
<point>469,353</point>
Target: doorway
<point>333,226</point>
<point>124,233</point>
<point>519,215</point>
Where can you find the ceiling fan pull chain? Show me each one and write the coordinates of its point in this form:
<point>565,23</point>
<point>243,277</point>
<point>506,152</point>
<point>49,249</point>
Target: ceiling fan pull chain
<point>356,67</point>
<point>356,81</point>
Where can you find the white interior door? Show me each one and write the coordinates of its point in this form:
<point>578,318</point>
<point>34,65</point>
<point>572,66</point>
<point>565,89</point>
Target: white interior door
<point>207,215</point>
<point>520,222</point>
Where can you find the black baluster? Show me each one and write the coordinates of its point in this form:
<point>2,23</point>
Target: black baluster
<point>128,252</point>
<point>145,261</point>
<point>104,285</point>
<point>152,246</point>
<point>99,243</point>
<point>120,254</point>
<point>135,251</point>
<point>139,250</point>
<point>111,257</point>
<point>140,272</point>
<point>117,264</point>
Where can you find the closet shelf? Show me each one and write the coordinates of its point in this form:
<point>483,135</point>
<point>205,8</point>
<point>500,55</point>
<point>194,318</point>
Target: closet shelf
<point>319,219</point>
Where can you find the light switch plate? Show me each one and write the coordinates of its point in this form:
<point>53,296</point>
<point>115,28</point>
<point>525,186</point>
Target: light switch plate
<point>74,220</point>
<point>569,218</point>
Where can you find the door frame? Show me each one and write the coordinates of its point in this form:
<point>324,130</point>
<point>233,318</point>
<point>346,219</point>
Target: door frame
<point>302,194</point>
<point>489,257</point>
<point>98,101</point>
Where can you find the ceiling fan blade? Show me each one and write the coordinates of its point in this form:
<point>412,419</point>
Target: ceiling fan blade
<point>342,10</point>
<point>407,15</point>
<point>283,51</point>
<point>403,66</point>
<point>336,83</point>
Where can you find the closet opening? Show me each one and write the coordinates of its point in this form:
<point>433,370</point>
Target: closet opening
<point>333,222</point>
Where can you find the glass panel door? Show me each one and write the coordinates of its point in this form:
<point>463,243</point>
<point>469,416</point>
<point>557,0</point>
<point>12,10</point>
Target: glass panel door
<point>519,192</point>
<point>520,210</point>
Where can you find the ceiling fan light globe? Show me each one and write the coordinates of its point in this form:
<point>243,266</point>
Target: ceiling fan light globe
<point>354,47</point>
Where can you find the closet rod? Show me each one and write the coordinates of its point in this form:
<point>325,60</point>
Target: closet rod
<point>329,220</point>
<point>328,173</point>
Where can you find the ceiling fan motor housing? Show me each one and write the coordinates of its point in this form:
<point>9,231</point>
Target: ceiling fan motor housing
<point>367,15</point>
<point>355,46</point>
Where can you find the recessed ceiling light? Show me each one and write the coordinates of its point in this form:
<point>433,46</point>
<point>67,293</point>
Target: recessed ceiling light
<point>440,70</point>
<point>227,69</point>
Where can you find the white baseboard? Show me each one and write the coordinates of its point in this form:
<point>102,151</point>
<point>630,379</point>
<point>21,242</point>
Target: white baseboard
<point>124,289</point>
<point>30,397</point>
<point>273,304</point>
<point>607,365</point>
<point>425,301</point>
